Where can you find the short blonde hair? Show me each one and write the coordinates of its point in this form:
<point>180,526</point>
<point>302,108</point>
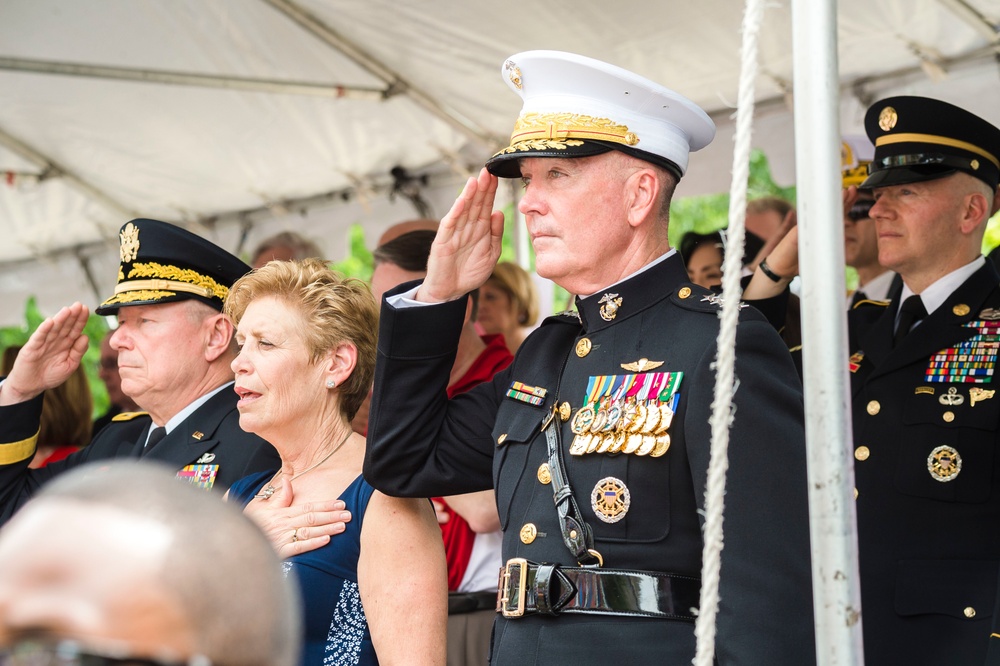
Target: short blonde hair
<point>335,310</point>
<point>516,283</point>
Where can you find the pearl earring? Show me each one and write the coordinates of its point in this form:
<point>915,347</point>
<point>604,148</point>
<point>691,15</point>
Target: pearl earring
<point>331,384</point>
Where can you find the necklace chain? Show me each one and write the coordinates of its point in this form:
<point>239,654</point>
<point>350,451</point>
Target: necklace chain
<point>269,490</point>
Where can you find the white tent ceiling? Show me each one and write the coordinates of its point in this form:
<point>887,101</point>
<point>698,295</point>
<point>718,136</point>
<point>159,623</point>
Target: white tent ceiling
<point>291,113</point>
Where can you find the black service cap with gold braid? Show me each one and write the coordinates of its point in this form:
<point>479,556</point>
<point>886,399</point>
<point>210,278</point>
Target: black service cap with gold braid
<point>576,106</point>
<point>919,138</point>
<point>163,263</point>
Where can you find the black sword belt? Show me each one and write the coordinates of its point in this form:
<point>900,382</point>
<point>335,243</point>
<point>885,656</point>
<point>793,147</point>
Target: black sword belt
<point>527,588</point>
<point>470,602</point>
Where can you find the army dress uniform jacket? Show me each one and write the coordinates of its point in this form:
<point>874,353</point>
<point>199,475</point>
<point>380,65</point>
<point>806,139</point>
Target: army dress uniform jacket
<point>927,470</point>
<point>422,444</point>
<point>208,448</point>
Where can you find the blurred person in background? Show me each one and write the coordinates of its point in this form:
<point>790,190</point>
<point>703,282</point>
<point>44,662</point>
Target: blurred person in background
<point>508,304</point>
<point>108,372</point>
<point>65,425</point>
<point>285,246</point>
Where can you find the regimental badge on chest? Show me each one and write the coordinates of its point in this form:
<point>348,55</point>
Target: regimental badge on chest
<point>610,499</point>
<point>972,361</point>
<point>626,414</point>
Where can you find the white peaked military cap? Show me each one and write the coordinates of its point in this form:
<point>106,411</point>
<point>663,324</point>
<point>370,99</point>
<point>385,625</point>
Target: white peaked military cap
<point>576,106</point>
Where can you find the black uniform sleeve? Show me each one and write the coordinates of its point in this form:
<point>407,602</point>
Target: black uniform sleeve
<point>766,613</point>
<point>420,443</point>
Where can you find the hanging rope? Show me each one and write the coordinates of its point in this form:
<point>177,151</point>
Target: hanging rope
<point>725,382</point>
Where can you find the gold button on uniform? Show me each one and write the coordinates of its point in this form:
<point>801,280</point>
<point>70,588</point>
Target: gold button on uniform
<point>961,310</point>
<point>948,417</point>
<point>572,534</point>
<point>564,411</point>
<point>544,474</point>
<point>501,438</point>
<point>855,493</point>
<point>684,292</point>
<point>874,407</point>
<point>862,453</point>
<point>528,533</point>
<point>969,611</point>
<point>583,347</point>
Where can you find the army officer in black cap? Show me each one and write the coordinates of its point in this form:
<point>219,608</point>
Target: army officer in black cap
<point>174,351</point>
<point>925,407</point>
<point>597,436</point>
<point>925,410</point>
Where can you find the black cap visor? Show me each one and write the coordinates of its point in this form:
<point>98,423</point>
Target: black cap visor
<point>507,164</point>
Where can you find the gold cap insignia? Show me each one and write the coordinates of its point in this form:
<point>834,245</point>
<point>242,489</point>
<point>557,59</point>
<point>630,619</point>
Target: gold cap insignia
<point>642,365</point>
<point>944,464</point>
<point>610,499</point>
<point>129,247</point>
<point>974,164</point>
<point>887,118</point>
<point>609,306</point>
<point>961,310</point>
<point>513,73</point>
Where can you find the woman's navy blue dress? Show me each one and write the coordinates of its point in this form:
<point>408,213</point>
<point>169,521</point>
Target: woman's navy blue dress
<point>336,632</point>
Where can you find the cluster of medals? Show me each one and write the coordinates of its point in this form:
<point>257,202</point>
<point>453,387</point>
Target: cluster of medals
<point>626,414</point>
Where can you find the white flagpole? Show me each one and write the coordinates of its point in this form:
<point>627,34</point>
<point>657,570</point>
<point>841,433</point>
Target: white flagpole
<point>833,526</point>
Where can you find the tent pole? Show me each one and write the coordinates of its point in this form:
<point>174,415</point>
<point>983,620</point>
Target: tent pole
<point>833,527</point>
<point>42,162</point>
<point>191,79</point>
<point>322,31</point>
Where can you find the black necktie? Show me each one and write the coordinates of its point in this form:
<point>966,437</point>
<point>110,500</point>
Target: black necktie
<point>155,435</point>
<point>910,312</point>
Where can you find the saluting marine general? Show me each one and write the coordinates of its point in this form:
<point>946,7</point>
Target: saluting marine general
<point>596,438</point>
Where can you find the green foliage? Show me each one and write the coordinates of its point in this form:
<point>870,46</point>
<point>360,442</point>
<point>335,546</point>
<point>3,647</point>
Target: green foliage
<point>358,263</point>
<point>707,213</point>
<point>15,336</point>
<point>992,237</point>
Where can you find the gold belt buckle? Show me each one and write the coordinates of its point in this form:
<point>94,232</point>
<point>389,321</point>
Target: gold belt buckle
<point>517,602</point>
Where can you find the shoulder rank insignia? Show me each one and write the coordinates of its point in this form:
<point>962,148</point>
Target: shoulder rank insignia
<point>128,416</point>
<point>642,365</point>
<point>572,314</point>
<point>717,300</point>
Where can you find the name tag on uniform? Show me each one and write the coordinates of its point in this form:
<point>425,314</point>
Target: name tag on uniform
<point>202,476</point>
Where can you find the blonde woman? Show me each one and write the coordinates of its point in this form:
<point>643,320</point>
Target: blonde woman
<point>378,592</point>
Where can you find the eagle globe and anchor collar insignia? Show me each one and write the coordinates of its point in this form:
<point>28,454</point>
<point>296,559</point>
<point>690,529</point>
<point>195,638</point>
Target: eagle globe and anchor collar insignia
<point>609,306</point>
<point>610,499</point>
